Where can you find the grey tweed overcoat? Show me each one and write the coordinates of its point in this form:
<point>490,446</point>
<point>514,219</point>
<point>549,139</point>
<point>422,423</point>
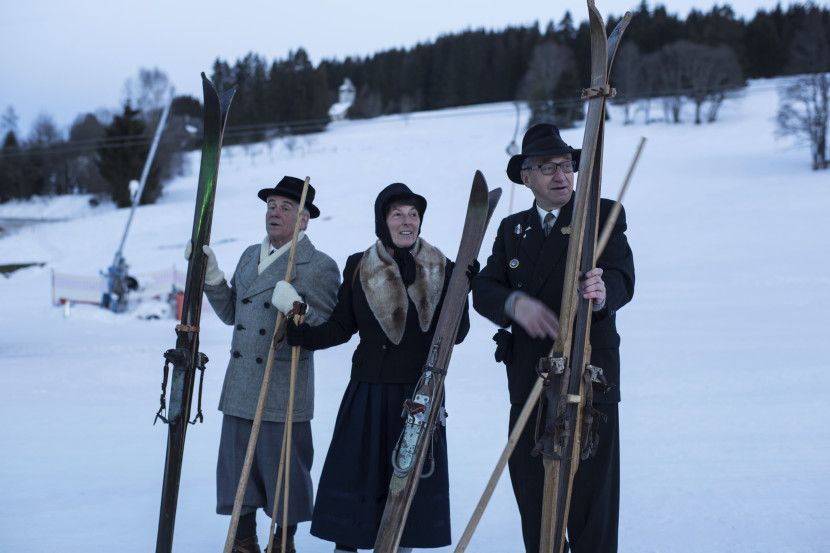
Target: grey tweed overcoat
<point>245,303</point>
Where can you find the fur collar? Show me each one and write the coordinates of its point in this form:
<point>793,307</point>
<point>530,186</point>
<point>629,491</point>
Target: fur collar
<point>384,289</point>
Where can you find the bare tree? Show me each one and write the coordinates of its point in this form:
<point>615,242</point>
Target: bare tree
<point>803,109</point>
<point>550,62</point>
<point>803,113</point>
<point>368,103</point>
<point>8,121</point>
<point>648,84</point>
<point>697,72</point>
<point>44,132</point>
<point>713,71</point>
<point>626,76</point>
<point>672,78</point>
<point>148,93</point>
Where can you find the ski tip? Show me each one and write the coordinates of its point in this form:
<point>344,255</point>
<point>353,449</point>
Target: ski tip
<point>492,201</point>
<point>479,185</point>
<point>495,195</point>
<point>208,86</point>
<point>226,98</point>
<point>593,13</point>
<point>622,24</point>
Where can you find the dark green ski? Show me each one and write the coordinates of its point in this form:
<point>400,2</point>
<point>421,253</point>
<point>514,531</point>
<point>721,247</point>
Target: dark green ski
<point>422,410</point>
<point>186,358</point>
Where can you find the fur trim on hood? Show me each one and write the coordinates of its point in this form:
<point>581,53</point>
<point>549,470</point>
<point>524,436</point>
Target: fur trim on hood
<point>384,289</point>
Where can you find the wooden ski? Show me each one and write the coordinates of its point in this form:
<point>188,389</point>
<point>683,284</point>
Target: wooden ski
<point>561,444</point>
<point>425,405</point>
<point>185,357</point>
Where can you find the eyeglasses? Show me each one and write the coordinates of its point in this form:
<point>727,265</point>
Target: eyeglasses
<point>550,167</point>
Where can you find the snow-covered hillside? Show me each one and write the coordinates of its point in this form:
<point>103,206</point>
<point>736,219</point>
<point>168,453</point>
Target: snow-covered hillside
<point>724,356</point>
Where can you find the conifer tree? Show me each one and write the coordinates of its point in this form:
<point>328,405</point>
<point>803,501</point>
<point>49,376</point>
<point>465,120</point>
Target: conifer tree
<point>122,155</point>
<point>11,178</point>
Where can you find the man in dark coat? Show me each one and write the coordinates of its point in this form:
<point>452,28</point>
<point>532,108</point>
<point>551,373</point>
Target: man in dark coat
<point>250,302</point>
<point>521,287</point>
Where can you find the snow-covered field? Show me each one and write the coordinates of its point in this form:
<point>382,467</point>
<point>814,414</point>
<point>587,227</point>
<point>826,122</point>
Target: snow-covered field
<point>725,354</point>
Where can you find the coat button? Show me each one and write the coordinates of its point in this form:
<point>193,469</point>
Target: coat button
<point>518,285</point>
<point>259,360</point>
<point>262,332</point>
<point>236,355</point>
<point>383,346</point>
<point>266,305</point>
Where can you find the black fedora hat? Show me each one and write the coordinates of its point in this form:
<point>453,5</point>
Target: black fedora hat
<point>291,187</point>
<point>540,140</point>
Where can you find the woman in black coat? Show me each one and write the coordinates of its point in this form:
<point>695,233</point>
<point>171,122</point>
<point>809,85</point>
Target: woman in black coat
<point>391,295</point>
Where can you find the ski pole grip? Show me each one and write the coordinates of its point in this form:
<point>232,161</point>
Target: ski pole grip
<point>298,310</point>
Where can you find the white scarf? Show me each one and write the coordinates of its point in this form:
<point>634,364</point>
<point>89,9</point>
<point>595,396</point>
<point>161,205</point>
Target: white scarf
<point>265,255</point>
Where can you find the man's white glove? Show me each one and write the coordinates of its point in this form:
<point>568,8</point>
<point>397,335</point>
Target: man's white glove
<point>213,274</point>
<point>284,296</point>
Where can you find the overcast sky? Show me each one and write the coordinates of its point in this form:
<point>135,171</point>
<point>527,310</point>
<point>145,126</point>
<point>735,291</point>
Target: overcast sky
<point>68,58</point>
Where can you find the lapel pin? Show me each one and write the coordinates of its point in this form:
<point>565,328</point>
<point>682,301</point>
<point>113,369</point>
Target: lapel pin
<point>514,263</point>
<point>566,230</point>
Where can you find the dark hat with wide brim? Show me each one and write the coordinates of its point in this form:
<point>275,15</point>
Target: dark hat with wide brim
<point>540,140</point>
<point>291,187</point>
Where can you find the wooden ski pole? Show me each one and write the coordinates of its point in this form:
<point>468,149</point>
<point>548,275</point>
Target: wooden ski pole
<point>263,392</point>
<point>536,391</point>
<point>512,440</point>
<point>277,495</point>
<point>285,455</point>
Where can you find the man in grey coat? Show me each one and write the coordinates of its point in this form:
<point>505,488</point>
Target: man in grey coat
<point>250,303</point>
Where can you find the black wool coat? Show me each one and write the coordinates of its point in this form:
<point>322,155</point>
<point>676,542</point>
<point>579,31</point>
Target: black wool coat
<point>540,273</point>
<point>376,358</point>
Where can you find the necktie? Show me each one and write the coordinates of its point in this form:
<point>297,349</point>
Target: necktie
<point>548,223</point>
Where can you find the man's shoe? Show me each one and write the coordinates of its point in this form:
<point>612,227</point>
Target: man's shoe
<point>248,545</point>
<point>289,545</point>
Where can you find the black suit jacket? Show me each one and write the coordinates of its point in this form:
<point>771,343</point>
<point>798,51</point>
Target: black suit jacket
<point>540,273</point>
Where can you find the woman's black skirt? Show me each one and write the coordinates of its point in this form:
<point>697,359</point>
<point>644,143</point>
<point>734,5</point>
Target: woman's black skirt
<point>354,483</point>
